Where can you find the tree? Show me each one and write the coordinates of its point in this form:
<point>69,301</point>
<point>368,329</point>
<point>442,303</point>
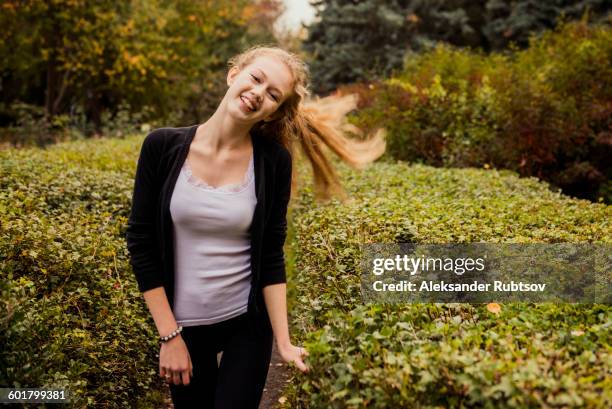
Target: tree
<point>99,55</point>
<point>514,21</point>
<point>361,40</point>
<point>353,40</point>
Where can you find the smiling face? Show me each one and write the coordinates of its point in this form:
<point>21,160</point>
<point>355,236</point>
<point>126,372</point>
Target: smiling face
<point>259,89</point>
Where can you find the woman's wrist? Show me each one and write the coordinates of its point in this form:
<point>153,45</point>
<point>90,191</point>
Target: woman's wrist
<point>167,326</point>
<point>175,333</point>
<point>172,341</point>
<point>283,344</point>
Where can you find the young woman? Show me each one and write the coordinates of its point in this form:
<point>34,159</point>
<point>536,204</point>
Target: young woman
<point>208,224</point>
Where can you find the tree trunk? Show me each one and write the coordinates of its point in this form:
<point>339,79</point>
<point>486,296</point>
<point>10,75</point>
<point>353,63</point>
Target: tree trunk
<point>51,91</point>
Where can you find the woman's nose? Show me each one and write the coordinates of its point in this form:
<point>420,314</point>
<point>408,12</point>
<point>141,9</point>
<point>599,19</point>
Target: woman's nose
<point>257,96</point>
<point>259,91</point>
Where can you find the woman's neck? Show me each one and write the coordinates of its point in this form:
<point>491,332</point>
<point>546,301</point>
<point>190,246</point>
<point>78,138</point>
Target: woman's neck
<point>220,133</point>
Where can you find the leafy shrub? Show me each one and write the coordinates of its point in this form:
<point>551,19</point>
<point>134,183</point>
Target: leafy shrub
<point>71,314</point>
<point>31,127</point>
<point>544,111</point>
<point>441,355</point>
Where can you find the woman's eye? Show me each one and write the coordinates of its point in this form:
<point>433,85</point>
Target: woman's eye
<point>257,79</point>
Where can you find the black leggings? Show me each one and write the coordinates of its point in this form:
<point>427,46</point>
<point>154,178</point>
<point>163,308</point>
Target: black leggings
<point>239,380</point>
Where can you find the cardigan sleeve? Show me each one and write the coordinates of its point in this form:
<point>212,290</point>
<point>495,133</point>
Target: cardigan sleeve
<point>141,230</point>
<point>275,231</point>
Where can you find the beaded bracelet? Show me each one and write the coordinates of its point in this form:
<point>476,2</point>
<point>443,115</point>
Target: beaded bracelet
<point>171,335</point>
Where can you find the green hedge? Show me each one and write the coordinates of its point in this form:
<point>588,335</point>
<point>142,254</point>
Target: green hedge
<point>71,314</point>
<point>442,355</point>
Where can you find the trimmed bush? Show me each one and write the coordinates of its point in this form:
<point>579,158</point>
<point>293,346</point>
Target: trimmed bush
<point>71,313</point>
<point>442,355</point>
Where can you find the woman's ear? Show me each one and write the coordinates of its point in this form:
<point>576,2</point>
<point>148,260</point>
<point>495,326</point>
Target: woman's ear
<point>231,75</point>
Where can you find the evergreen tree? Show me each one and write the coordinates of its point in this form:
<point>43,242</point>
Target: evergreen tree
<point>514,21</point>
<point>453,21</point>
<point>353,40</point>
<point>361,40</point>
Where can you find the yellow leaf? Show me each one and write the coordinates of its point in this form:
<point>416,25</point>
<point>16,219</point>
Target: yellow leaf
<point>282,400</point>
<point>413,18</point>
<point>494,307</point>
<point>248,12</point>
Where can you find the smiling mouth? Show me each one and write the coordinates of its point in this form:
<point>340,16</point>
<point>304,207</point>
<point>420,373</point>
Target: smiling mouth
<point>248,105</point>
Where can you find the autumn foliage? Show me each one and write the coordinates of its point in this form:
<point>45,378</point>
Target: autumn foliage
<point>86,59</point>
<point>544,111</point>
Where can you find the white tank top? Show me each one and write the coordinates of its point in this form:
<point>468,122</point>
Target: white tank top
<point>212,247</point>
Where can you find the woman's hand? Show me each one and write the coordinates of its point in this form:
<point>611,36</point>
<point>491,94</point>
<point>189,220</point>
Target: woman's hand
<point>174,361</point>
<point>275,297</point>
<point>291,353</point>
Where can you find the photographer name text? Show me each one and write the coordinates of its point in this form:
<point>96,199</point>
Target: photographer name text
<point>414,265</point>
<point>442,286</point>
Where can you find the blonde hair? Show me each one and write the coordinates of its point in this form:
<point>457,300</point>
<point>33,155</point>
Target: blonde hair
<point>313,123</point>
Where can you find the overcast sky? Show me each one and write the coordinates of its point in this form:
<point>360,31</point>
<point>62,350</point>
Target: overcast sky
<point>297,11</point>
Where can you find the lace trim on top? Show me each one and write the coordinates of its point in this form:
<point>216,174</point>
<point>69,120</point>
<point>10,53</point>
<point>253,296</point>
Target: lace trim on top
<point>231,188</point>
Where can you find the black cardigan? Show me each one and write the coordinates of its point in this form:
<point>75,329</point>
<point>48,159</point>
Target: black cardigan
<point>150,234</point>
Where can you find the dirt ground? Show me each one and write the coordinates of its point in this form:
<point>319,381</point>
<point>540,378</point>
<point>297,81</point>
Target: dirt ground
<point>275,383</point>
